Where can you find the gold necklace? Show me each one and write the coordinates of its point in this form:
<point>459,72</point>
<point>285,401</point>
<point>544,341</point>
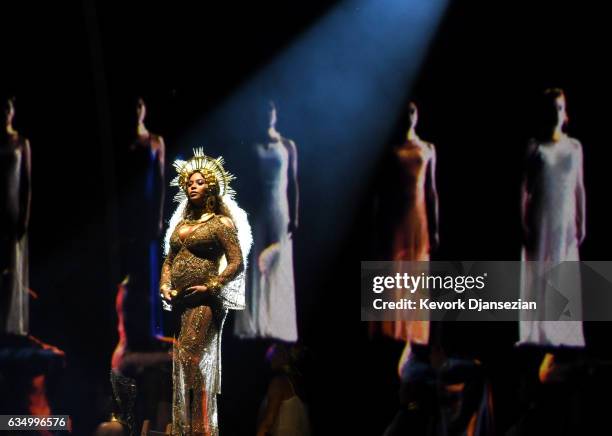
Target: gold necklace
<point>202,218</point>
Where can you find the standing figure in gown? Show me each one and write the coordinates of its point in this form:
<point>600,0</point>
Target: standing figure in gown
<point>202,277</point>
<point>139,356</point>
<point>15,194</point>
<point>554,225</point>
<point>26,361</point>
<point>271,309</point>
<point>142,204</point>
<point>415,220</point>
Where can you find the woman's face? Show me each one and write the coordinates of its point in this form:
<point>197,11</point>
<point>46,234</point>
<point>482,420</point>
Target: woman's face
<point>9,111</point>
<point>141,110</point>
<point>560,110</point>
<point>554,115</point>
<point>196,189</point>
<point>272,126</point>
<point>272,114</point>
<point>413,115</point>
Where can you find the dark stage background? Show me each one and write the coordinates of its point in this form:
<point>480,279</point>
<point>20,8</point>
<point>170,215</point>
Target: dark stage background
<point>475,93</point>
<point>77,68</point>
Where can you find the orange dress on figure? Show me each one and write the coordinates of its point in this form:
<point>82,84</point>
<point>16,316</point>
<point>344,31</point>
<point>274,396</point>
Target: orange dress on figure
<point>411,233</point>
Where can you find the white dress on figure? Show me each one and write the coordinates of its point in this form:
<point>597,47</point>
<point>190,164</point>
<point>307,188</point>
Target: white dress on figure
<point>270,311</point>
<point>551,213</point>
<point>14,270</point>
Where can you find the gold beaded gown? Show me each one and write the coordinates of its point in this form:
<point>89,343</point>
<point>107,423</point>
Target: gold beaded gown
<point>194,259</point>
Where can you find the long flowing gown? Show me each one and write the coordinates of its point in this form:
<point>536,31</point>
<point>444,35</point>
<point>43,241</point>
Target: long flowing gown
<point>14,203</point>
<point>270,311</point>
<point>411,235</point>
<point>196,376</point>
<point>553,186</point>
<point>141,241</point>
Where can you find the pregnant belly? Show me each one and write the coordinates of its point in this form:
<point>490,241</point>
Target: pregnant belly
<point>190,270</point>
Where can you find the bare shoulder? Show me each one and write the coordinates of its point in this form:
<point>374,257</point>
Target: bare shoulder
<point>23,141</point>
<point>431,149</point>
<point>20,141</point>
<point>576,144</point>
<point>227,221</point>
<point>290,144</point>
<point>157,141</point>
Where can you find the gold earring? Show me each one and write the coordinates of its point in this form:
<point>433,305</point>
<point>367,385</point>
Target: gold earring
<point>211,203</point>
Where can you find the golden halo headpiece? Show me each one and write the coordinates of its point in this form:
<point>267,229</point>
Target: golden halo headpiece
<point>212,170</point>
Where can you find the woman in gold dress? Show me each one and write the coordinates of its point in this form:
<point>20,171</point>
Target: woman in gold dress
<point>201,278</point>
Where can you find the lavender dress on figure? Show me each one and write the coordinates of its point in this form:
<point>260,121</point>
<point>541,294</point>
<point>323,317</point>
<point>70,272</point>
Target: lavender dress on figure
<point>270,311</point>
<point>553,213</point>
